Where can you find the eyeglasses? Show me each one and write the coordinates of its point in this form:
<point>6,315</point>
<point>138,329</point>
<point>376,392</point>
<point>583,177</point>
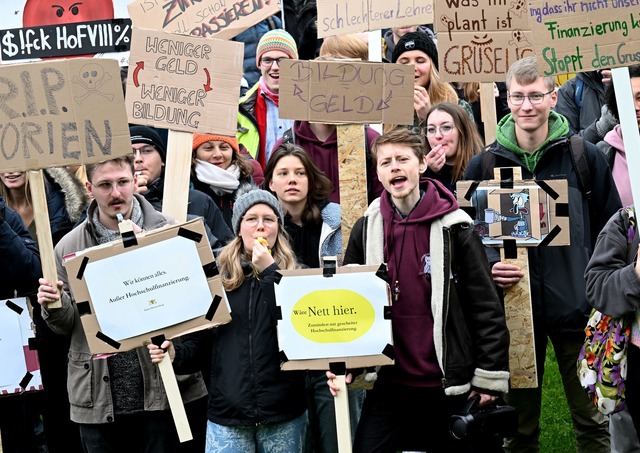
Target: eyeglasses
<point>534,98</point>
<point>106,187</point>
<point>252,221</point>
<point>267,61</point>
<point>144,151</point>
<point>445,129</point>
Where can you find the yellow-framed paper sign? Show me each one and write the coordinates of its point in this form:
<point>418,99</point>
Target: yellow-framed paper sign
<point>163,282</point>
<point>334,315</point>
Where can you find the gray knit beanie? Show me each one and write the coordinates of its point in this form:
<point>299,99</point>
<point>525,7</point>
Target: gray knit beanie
<point>249,196</point>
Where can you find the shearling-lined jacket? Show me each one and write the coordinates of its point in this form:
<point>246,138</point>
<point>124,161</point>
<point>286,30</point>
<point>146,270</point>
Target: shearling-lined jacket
<point>66,200</point>
<point>88,378</point>
<point>469,353</point>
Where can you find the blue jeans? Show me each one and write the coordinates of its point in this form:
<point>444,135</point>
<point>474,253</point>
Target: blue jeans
<point>286,437</point>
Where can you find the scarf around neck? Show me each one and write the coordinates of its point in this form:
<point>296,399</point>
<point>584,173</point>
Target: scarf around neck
<point>220,181</point>
<point>105,235</point>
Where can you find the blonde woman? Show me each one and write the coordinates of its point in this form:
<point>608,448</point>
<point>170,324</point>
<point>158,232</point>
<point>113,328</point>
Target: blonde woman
<point>253,405</point>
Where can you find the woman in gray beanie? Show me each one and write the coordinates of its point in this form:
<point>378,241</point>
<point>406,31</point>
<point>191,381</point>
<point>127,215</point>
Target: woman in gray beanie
<point>417,48</point>
<point>253,405</point>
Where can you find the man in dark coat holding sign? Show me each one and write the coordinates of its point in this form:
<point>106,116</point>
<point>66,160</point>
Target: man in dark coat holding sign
<point>119,400</point>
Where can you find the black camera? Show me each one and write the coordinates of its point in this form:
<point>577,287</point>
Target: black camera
<point>498,420</point>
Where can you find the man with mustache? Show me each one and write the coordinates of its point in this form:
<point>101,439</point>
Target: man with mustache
<point>118,401</point>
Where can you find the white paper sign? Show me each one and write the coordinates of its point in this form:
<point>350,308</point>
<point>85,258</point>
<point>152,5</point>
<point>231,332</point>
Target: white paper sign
<point>147,289</point>
<point>340,316</point>
<point>16,357</point>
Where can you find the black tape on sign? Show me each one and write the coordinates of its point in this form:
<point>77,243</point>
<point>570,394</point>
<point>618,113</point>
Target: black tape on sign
<point>110,341</point>
<point>472,189</point>
<point>188,234</point>
<point>389,352</point>
<point>338,368</point>
<point>551,236</point>
<point>12,306</point>
<point>211,269</point>
<point>471,210</point>
<point>382,273</point>
<point>215,303</point>
<point>158,340</point>
<point>277,312</point>
<point>283,357</point>
<point>83,266</point>
<point>329,268</point>
<point>84,308</point>
<point>548,189</point>
<point>24,382</point>
<point>129,239</point>
<point>278,277</point>
<point>33,344</point>
<point>562,210</point>
<point>510,249</point>
<point>506,178</point>
<point>386,312</point>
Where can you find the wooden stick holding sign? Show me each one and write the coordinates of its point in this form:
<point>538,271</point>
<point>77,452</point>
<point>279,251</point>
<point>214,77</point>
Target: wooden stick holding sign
<point>488,110</point>
<point>514,214</point>
<point>43,227</point>
<point>177,171</point>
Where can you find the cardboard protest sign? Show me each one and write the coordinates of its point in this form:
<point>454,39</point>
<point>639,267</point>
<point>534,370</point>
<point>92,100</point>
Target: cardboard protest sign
<point>20,370</point>
<point>184,83</point>
<point>479,39</point>
<point>530,213</point>
<point>38,29</point>
<point>340,316</point>
<point>583,36</point>
<point>337,17</point>
<point>341,92</point>
<point>222,19</point>
<point>164,283</point>
<point>49,118</point>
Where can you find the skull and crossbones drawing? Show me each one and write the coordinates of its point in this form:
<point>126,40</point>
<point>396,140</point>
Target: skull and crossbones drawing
<point>92,77</point>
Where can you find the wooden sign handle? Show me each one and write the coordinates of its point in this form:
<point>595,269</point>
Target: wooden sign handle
<point>176,175</point>
<point>43,227</point>
<point>488,109</point>
<point>343,421</point>
<point>175,399</point>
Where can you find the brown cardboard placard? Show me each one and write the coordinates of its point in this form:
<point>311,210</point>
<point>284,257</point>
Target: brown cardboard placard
<point>544,221</point>
<point>479,39</point>
<point>576,36</point>
<point>337,17</point>
<point>205,18</point>
<point>184,83</point>
<point>49,116</point>
<point>97,342</point>
<point>378,302</point>
<point>339,92</point>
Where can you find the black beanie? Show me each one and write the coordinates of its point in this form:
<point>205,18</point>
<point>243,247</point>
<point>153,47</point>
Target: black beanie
<point>145,134</point>
<point>416,40</point>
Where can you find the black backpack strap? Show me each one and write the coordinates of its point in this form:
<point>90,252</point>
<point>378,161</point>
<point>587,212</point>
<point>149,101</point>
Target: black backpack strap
<point>488,163</point>
<point>581,166</point>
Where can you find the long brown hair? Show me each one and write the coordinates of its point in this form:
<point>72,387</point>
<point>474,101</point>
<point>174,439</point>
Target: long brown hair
<point>469,140</point>
<point>319,185</point>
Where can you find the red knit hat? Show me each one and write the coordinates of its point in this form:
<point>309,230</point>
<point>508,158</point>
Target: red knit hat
<point>199,139</point>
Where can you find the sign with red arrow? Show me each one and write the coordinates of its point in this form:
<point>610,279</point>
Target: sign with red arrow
<point>184,83</point>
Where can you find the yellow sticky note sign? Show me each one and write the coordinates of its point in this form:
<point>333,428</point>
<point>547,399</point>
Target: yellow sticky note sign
<point>332,316</point>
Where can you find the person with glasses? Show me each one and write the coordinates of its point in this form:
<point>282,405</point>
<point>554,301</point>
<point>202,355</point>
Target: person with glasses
<point>118,401</point>
<point>149,155</point>
<point>452,140</point>
<point>259,125</point>
<point>536,139</point>
<point>254,406</point>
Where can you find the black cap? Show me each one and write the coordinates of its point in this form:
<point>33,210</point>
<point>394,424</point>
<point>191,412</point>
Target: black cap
<point>416,40</point>
<point>145,134</point>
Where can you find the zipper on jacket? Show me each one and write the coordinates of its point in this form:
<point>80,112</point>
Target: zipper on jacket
<point>446,236</point>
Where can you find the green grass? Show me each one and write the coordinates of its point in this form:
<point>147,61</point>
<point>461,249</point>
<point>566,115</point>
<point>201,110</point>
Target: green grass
<point>556,430</point>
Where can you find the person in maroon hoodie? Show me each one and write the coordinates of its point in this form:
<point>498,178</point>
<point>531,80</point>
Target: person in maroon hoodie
<point>449,331</point>
<point>320,141</point>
